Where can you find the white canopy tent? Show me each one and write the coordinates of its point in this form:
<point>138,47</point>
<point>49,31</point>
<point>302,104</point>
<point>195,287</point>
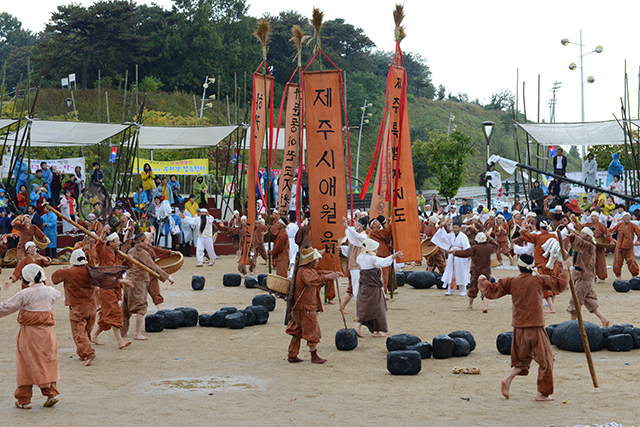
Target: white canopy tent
<point>6,123</point>
<point>160,137</point>
<point>591,133</point>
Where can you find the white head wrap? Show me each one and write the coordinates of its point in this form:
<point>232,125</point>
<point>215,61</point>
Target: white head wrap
<point>111,237</point>
<point>481,238</point>
<point>28,245</point>
<point>370,246</point>
<point>30,273</point>
<point>78,258</point>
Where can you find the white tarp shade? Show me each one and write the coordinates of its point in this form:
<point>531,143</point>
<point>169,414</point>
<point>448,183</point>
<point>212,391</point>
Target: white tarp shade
<point>172,138</point>
<point>6,123</point>
<point>70,134</point>
<point>591,133</point>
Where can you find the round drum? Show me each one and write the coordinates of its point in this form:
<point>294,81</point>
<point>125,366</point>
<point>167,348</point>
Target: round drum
<point>428,248</point>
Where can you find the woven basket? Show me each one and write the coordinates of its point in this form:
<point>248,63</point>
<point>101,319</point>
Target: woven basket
<point>495,263</point>
<point>41,244</point>
<point>171,264</point>
<point>604,243</point>
<point>278,284</point>
<point>10,258</point>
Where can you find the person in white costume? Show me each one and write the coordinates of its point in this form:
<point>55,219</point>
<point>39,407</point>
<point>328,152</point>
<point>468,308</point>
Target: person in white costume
<point>457,268</point>
<point>204,231</point>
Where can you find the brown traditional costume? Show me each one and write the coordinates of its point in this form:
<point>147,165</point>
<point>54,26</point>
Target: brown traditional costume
<point>154,286</point>
<point>110,313</point>
<point>599,231</point>
<point>42,261</point>
<point>530,340</point>
<point>624,248</point>
<point>480,255</point>
<point>502,239</point>
<point>280,253</point>
<point>437,260</point>
<point>383,236</point>
<point>538,254</point>
<point>584,275</point>
<point>26,235</point>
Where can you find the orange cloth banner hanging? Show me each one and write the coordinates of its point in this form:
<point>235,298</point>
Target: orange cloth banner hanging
<point>291,148</point>
<point>325,160</point>
<point>380,198</point>
<point>404,211</point>
<point>259,123</point>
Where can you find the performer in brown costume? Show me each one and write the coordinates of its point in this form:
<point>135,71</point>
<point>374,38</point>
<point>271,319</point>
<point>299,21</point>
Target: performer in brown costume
<point>154,285</point>
<point>257,244</point>
<point>135,298</point>
<point>480,255</point>
<point>36,344</point>
<point>530,340</point>
<point>307,302</point>
<point>471,228</point>
<point>538,253</point>
<point>27,232</point>
<point>80,296</point>
<point>32,257</point>
<point>624,246</point>
<point>110,313</point>
<point>303,235</point>
<point>502,239</point>
<point>599,231</point>
<point>280,251</point>
<point>242,269</point>
<point>556,217</point>
<point>585,274</point>
<point>382,236</point>
<point>437,260</point>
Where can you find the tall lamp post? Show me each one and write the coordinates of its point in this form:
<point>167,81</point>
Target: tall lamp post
<point>487,129</point>
<point>207,81</point>
<point>573,66</point>
<point>362,122</point>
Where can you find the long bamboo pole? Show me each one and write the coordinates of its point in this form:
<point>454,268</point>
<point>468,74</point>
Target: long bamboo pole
<point>583,333</point>
<point>95,236</point>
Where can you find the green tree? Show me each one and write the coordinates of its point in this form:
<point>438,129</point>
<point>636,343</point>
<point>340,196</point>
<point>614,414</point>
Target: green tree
<point>446,159</point>
<point>502,100</point>
<point>15,48</point>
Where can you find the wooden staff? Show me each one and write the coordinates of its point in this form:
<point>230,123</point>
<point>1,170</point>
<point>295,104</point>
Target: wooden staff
<point>339,299</point>
<point>95,236</point>
<point>583,333</point>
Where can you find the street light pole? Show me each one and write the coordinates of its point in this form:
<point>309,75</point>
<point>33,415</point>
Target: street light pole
<point>362,122</point>
<point>487,129</point>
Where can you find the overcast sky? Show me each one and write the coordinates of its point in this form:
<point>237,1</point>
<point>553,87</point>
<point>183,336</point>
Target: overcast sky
<point>478,47</point>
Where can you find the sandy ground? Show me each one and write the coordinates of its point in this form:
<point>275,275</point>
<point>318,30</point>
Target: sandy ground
<point>212,376</point>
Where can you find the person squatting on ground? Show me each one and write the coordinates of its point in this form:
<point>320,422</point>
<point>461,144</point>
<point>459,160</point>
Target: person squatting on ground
<point>530,340</point>
<point>306,304</point>
<point>36,343</point>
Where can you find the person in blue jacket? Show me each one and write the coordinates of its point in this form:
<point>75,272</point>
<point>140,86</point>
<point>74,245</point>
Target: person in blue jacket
<point>50,222</point>
<point>140,199</point>
<point>175,187</point>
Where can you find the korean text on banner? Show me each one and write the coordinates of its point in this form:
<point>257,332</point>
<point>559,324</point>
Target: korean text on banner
<point>291,148</point>
<point>260,107</point>
<point>175,167</point>
<point>66,166</point>
<point>325,160</point>
<point>404,204</point>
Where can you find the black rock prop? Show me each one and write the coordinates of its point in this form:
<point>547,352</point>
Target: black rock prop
<point>467,336</point>
<point>197,283</point>
<point>153,323</point>
<point>250,282</point>
<point>172,318</point>
<point>421,279</point>
<point>620,342</point>
<point>424,348</point>
<point>606,331</point>
<point>190,316</point>
<point>261,313</point>
<point>442,347</point>
<point>439,283</point>
<point>635,334</point>
<point>567,336</point>
<point>235,320</point>
<point>344,342</point>
<point>461,347</point>
<point>550,330</point>
<point>621,286</point>
<point>503,342</point>
<point>231,279</point>
<point>249,317</point>
<point>619,327</point>
<point>268,301</point>
<point>217,319</point>
<point>634,284</point>
<point>401,341</point>
<point>401,278</point>
<point>229,310</point>
<point>205,320</point>
<point>262,280</point>
<point>404,362</point>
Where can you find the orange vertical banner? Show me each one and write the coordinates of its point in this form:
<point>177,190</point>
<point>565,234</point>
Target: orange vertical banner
<point>325,162</point>
<point>404,203</point>
<point>259,123</point>
<point>292,135</point>
<point>380,197</point>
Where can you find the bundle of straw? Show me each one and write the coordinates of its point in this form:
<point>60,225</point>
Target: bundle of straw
<point>398,16</point>
<point>316,22</point>
<point>262,34</point>
<point>298,38</point>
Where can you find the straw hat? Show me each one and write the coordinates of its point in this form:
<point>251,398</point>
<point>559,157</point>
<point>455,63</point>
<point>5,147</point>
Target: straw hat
<point>308,255</point>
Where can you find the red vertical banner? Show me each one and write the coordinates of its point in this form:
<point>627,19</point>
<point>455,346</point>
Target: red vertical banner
<point>325,160</point>
<point>259,123</point>
<point>292,134</point>
<point>380,197</point>
<point>404,203</point>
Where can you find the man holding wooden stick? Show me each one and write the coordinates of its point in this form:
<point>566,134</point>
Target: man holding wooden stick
<point>530,340</point>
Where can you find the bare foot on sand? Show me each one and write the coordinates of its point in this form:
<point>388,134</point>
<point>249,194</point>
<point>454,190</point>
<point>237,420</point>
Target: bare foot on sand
<point>94,340</point>
<point>484,310</point>
<point>140,337</point>
<point>123,345</point>
<point>605,323</point>
<point>506,383</point>
<point>541,398</point>
<point>378,334</point>
<point>470,307</point>
<point>550,311</point>
<point>90,360</point>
